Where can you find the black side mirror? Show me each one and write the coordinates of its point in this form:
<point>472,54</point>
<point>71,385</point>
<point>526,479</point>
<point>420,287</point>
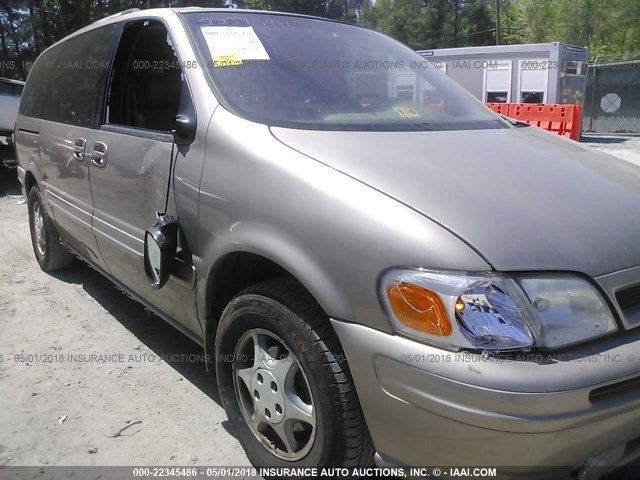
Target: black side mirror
<point>184,132</point>
<point>160,248</point>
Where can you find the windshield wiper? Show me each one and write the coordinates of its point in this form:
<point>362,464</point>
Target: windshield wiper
<point>424,126</point>
<point>514,122</point>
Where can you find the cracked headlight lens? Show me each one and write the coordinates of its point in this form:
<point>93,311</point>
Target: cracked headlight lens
<point>494,312</point>
<point>492,317</point>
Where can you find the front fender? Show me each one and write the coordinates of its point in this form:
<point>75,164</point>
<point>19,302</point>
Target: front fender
<point>333,233</point>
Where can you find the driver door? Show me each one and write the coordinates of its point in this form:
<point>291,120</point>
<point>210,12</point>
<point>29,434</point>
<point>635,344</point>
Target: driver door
<point>130,160</point>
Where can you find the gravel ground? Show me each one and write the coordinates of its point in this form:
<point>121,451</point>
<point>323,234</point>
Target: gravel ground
<point>627,148</point>
<point>60,406</point>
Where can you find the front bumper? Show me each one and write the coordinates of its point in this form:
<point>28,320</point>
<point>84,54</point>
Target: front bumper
<point>425,406</point>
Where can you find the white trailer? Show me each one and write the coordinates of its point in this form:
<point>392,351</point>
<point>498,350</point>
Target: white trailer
<point>532,73</point>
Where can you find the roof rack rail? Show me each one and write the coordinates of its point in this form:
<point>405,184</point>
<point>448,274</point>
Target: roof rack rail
<point>124,12</point>
<point>129,10</point>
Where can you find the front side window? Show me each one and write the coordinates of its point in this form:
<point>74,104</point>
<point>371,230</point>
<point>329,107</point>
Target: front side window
<point>308,73</point>
<point>146,80</point>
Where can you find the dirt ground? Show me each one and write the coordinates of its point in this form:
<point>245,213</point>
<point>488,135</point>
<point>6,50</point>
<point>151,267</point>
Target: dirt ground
<point>620,146</point>
<point>59,405</point>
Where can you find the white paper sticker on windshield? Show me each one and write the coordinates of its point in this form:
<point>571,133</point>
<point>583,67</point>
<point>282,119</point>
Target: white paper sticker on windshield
<point>241,42</point>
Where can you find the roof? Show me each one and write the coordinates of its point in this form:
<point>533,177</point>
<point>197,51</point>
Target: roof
<point>134,13</point>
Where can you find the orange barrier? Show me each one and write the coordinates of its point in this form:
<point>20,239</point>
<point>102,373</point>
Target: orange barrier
<point>438,107</point>
<point>576,132</point>
<point>565,120</point>
<point>500,108</point>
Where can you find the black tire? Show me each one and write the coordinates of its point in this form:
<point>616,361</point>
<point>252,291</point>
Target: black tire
<point>50,254</point>
<point>284,308</point>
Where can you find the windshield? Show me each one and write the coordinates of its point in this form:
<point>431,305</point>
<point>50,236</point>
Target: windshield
<point>299,72</point>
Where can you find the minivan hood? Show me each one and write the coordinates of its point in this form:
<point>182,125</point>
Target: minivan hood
<point>525,199</point>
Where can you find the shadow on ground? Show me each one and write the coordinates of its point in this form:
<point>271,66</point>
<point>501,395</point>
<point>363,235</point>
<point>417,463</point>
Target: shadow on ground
<point>9,184</point>
<point>603,140</point>
<point>161,338</point>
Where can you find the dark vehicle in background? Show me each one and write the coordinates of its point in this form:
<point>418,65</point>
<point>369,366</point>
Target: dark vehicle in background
<point>10,92</point>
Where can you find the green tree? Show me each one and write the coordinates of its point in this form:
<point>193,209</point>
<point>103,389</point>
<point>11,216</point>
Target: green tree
<point>607,27</point>
<point>308,7</point>
<point>28,27</point>
<point>346,10</point>
<point>417,23</point>
<point>478,24</point>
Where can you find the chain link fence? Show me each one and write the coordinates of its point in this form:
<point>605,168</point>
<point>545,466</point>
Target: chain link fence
<point>612,97</point>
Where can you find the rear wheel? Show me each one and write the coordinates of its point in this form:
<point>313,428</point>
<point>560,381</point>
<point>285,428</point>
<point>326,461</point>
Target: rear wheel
<point>285,383</point>
<point>47,246</point>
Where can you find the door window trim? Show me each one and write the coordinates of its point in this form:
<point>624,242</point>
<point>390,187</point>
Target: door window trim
<point>159,135</point>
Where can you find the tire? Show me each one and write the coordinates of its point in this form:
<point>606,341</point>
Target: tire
<point>47,246</point>
<point>290,328</point>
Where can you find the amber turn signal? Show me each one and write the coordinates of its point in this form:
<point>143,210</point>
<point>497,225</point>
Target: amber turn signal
<point>419,308</point>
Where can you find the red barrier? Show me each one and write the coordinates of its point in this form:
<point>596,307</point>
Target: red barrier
<point>500,108</point>
<point>565,120</point>
<point>576,131</point>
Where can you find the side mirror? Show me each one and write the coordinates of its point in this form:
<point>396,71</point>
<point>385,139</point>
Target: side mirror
<point>184,132</point>
<point>160,248</point>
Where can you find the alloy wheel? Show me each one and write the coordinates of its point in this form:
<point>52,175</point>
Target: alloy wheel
<point>38,226</point>
<point>274,394</point>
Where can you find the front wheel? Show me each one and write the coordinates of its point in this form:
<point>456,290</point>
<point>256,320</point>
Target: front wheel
<point>285,383</point>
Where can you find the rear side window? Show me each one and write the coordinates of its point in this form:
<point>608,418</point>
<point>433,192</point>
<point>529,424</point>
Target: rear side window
<point>78,78</point>
<point>35,91</point>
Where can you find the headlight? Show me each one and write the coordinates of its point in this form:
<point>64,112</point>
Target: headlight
<point>490,311</point>
<point>568,308</point>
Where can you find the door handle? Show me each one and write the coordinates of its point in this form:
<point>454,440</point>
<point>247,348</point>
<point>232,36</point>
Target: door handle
<point>79,147</point>
<point>99,154</point>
